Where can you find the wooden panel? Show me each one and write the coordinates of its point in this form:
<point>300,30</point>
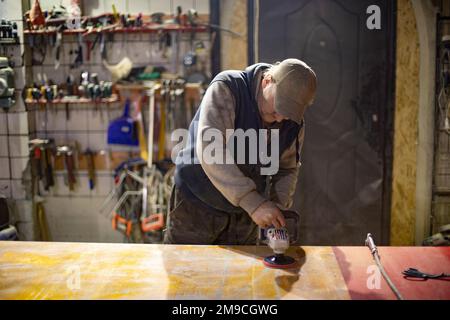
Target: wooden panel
<point>403,207</point>
<point>44,270</point>
<point>233,15</point>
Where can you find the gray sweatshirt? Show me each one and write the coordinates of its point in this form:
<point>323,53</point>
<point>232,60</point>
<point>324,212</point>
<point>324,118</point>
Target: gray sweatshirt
<point>218,112</point>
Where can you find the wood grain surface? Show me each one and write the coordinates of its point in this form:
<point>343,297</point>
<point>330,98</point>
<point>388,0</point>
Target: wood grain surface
<point>56,270</point>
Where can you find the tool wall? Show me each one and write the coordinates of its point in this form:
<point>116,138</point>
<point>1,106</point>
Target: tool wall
<point>441,180</point>
<point>80,80</point>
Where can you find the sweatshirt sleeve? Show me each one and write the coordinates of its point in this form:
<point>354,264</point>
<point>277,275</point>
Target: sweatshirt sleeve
<point>285,181</point>
<point>218,114</point>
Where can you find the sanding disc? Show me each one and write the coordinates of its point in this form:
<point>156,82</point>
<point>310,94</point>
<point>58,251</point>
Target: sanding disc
<point>280,261</point>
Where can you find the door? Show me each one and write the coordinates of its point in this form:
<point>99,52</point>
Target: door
<point>343,190</point>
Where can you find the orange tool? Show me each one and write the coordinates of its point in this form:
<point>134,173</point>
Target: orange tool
<point>153,222</point>
<point>119,223</point>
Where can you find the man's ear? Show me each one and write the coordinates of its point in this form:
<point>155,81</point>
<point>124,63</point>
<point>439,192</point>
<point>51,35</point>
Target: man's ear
<point>266,80</point>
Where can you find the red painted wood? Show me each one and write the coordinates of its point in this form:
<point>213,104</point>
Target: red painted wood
<point>355,261</point>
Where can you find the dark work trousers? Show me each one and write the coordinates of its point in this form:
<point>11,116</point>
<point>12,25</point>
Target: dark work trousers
<point>190,221</point>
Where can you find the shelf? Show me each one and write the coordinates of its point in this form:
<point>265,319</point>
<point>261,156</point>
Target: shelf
<point>114,98</point>
<point>9,41</point>
<point>441,191</point>
<point>135,30</point>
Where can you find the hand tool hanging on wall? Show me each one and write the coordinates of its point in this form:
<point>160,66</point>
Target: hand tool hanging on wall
<point>47,168</point>
<point>36,158</point>
<point>67,153</point>
<point>89,48</point>
<point>177,15</point>
<point>41,151</point>
<point>71,86</point>
<point>37,45</point>
<point>41,218</point>
<point>180,114</point>
<point>164,43</point>
<point>151,93</point>
<point>8,32</point>
<point>146,171</point>
<point>171,111</point>
<point>78,54</point>
<point>152,216</point>
<point>90,167</point>
<point>41,168</point>
<point>58,42</point>
<point>190,59</point>
<point>71,89</point>
<point>141,131</point>
<point>164,104</point>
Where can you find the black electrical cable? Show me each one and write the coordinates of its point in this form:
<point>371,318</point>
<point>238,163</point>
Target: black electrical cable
<point>374,250</point>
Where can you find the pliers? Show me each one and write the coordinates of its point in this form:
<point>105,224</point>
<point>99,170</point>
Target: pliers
<point>414,273</point>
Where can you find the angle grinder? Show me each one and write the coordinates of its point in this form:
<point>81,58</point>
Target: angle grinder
<point>279,240</point>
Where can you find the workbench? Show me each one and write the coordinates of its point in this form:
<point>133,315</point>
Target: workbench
<point>56,270</point>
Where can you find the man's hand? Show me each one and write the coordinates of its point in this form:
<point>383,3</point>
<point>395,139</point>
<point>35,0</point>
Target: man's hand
<point>268,214</point>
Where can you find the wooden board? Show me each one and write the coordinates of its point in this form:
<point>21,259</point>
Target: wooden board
<point>57,270</point>
<point>45,270</point>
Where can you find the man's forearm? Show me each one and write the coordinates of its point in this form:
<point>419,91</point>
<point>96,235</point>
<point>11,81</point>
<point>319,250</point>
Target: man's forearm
<point>283,187</point>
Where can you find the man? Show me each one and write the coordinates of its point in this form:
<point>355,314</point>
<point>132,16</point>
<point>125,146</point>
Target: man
<point>223,203</point>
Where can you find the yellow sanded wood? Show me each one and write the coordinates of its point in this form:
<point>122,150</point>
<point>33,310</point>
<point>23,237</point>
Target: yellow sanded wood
<point>46,270</point>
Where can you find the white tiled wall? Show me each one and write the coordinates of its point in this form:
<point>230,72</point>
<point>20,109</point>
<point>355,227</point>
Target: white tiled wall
<point>15,130</point>
<point>4,168</point>
<point>18,123</point>
<point>3,128</point>
<point>27,231</point>
<point>24,211</point>
<point>79,221</point>
<point>78,120</point>
<point>5,188</point>
<point>18,146</point>
<point>4,146</point>
<point>17,189</point>
<point>96,141</point>
<point>18,166</point>
<point>97,120</point>
<point>61,188</point>
<point>74,215</point>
